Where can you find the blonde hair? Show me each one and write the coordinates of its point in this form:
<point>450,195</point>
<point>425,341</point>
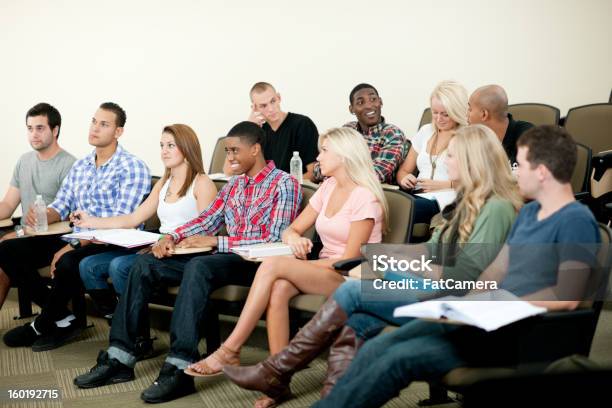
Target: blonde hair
<point>454,98</point>
<point>483,173</point>
<point>352,148</point>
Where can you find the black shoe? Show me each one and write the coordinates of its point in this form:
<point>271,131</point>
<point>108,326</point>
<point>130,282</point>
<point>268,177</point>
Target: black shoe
<point>58,337</point>
<point>104,301</point>
<point>144,348</point>
<point>171,384</point>
<point>22,336</point>
<point>106,371</point>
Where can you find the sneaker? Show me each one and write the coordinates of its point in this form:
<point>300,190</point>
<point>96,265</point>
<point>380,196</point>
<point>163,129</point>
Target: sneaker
<point>144,348</point>
<point>22,336</point>
<point>171,384</point>
<point>106,371</point>
<point>58,337</point>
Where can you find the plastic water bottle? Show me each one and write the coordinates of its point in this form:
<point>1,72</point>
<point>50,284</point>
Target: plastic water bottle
<point>295,167</point>
<point>40,209</point>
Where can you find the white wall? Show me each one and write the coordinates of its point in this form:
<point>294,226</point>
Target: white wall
<point>194,61</point>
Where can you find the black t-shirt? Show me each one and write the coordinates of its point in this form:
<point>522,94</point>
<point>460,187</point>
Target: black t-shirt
<point>296,133</point>
<point>514,131</point>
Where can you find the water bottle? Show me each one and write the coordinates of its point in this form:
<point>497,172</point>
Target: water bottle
<point>295,167</point>
<point>40,209</point>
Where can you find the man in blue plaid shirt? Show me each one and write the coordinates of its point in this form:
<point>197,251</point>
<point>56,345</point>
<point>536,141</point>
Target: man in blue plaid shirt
<point>108,182</point>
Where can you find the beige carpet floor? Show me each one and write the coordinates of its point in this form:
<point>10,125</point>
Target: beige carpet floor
<point>20,368</point>
<point>23,369</point>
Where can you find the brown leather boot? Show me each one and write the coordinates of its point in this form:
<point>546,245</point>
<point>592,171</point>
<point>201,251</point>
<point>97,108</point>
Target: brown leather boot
<point>341,354</point>
<point>273,375</point>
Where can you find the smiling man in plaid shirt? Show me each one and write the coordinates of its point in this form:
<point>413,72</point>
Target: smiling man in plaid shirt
<point>108,182</point>
<point>255,206</point>
<point>387,143</point>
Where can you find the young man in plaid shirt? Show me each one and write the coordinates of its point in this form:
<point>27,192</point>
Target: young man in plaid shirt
<point>387,143</point>
<point>255,206</point>
<point>108,182</point>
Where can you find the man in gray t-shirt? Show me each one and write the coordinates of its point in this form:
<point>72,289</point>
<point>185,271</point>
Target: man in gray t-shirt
<point>42,170</point>
<point>33,176</point>
<point>38,172</point>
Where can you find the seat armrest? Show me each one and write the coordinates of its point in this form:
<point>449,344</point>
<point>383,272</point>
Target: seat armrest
<point>348,264</point>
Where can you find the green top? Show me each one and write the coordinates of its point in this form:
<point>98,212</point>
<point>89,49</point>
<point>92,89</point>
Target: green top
<point>488,236</point>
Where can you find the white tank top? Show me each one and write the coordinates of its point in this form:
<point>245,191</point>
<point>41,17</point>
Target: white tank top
<point>173,215</point>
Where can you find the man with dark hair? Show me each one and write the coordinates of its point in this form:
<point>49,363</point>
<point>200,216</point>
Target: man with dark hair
<point>120,116</point>
<point>107,182</point>
<point>285,132</point>
<point>387,142</point>
<point>548,253</point>
<point>488,105</point>
<point>39,172</point>
<point>255,206</point>
<point>552,147</point>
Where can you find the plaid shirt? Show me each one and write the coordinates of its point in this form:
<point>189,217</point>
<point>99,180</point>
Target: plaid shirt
<point>253,209</point>
<point>388,147</point>
<point>115,188</point>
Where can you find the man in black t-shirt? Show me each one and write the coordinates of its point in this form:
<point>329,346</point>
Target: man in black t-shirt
<point>286,132</point>
<point>488,105</point>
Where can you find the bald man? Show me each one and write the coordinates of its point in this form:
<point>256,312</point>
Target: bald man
<point>488,105</point>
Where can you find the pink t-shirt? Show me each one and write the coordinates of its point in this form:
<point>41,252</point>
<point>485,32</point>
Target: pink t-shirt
<point>334,231</point>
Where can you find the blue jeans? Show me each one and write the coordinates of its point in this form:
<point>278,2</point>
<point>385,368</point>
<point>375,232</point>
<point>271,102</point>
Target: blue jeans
<point>198,277</point>
<point>424,209</point>
<point>96,269</point>
<point>421,351</point>
<point>369,317</point>
<point>417,351</point>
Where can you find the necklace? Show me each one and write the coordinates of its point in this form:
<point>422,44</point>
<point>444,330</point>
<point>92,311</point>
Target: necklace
<point>169,192</point>
<point>431,151</point>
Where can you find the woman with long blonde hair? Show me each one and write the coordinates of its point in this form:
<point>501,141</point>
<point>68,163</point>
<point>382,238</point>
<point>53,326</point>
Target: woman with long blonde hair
<point>475,227</point>
<point>432,188</point>
<point>349,209</point>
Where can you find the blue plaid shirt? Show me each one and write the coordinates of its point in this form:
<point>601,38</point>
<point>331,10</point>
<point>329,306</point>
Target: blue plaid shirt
<point>115,188</point>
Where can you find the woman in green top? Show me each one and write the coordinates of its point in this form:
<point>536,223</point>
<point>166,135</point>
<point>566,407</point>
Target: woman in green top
<point>474,229</point>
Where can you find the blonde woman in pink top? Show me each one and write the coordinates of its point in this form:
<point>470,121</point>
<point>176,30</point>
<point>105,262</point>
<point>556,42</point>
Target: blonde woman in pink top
<point>348,210</point>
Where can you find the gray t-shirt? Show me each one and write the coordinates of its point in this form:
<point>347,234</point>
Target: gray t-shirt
<point>33,176</point>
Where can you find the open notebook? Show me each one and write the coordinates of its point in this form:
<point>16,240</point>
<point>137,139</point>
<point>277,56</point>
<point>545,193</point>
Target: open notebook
<point>262,250</point>
<point>127,238</point>
<point>487,310</point>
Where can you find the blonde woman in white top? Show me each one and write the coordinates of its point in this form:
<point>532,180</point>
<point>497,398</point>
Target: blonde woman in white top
<point>432,188</point>
<point>183,192</point>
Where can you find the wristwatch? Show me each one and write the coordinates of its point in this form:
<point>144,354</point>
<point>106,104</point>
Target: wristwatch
<point>75,243</point>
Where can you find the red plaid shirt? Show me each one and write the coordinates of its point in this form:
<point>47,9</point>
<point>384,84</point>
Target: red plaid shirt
<point>388,148</point>
<point>253,209</point>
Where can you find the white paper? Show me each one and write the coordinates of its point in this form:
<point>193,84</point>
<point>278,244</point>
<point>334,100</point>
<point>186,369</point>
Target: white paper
<point>487,310</point>
<point>128,238</point>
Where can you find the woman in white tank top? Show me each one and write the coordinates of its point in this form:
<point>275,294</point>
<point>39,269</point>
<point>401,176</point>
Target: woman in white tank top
<point>183,192</point>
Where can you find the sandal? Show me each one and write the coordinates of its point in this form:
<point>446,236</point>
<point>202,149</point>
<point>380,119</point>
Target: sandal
<point>274,402</point>
<point>223,355</point>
